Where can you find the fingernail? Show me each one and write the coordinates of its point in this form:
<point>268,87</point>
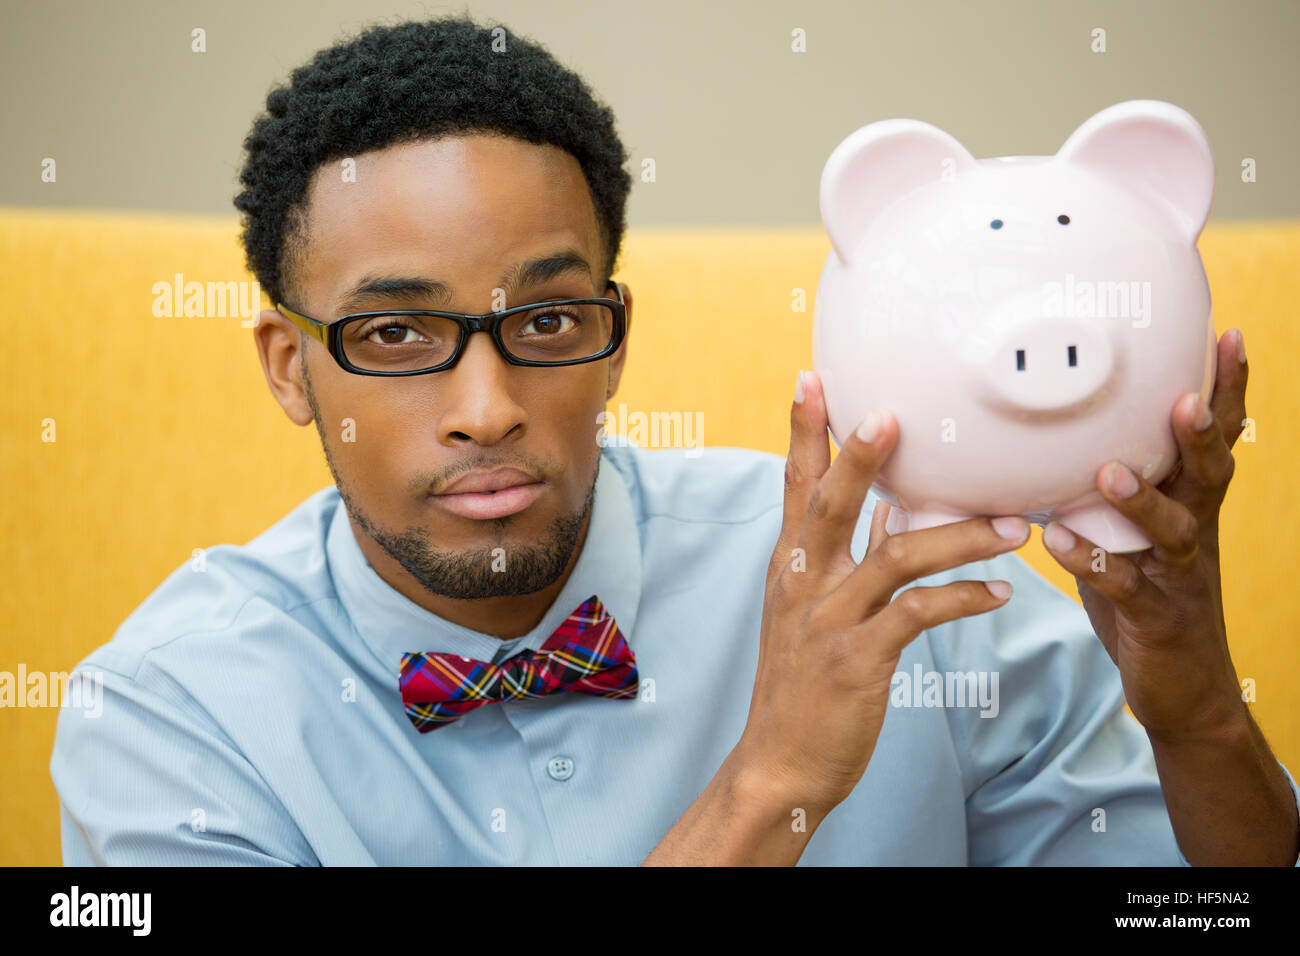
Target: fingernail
<point>999,589</point>
<point>870,427</point>
<point>1122,481</point>
<point>1201,418</point>
<point>1058,537</point>
<point>798,388</point>
<point>1241,347</point>
<point>1012,527</point>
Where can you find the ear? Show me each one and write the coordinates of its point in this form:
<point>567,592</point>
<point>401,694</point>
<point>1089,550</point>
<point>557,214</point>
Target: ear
<point>278,346</point>
<point>1154,148</point>
<point>875,166</point>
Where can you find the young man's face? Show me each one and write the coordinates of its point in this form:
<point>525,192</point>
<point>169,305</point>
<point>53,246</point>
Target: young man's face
<point>462,211</point>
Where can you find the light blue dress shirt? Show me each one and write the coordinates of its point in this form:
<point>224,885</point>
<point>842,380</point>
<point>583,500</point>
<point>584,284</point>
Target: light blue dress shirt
<point>251,712</point>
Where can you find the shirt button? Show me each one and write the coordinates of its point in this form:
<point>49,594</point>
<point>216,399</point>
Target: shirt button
<point>560,768</point>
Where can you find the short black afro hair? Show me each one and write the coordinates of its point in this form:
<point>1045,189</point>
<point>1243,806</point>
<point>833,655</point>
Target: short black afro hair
<point>407,82</point>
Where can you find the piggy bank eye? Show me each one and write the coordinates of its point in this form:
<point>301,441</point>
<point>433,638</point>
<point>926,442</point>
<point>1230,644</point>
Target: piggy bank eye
<point>996,224</point>
<point>1063,219</point>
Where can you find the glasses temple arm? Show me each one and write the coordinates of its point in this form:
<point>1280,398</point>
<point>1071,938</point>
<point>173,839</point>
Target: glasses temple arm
<point>309,325</point>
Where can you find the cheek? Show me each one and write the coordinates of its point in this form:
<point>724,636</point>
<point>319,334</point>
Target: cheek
<point>373,438</point>
<point>572,415</point>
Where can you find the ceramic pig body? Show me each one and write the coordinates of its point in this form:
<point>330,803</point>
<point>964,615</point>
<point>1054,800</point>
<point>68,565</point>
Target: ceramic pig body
<point>1025,318</point>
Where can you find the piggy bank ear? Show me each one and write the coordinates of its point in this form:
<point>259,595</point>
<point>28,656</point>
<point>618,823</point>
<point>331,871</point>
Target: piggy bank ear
<point>876,165</point>
<point>1153,147</point>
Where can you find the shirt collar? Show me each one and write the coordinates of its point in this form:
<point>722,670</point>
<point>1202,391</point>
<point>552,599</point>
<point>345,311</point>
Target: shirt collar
<point>391,624</point>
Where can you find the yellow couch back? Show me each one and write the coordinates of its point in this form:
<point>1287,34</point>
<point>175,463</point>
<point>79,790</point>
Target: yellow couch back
<point>166,438</point>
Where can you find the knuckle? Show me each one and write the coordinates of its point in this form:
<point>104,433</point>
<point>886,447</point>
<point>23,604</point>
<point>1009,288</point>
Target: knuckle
<point>1127,586</point>
<point>793,476</point>
<point>819,504</point>
<point>1229,469</point>
<point>893,550</point>
<point>910,607</point>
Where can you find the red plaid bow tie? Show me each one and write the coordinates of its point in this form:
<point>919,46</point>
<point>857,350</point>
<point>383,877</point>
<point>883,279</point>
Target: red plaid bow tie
<point>586,653</point>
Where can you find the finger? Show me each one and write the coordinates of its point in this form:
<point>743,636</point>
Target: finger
<point>1113,576</point>
<point>1172,527</point>
<point>879,519</point>
<point>1205,459</point>
<point>920,608</point>
<point>835,505</point>
<point>806,462</point>
<point>1228,401</point>
<point>1227,404</point>
<point>1206,455</point>
<point>902,558</point>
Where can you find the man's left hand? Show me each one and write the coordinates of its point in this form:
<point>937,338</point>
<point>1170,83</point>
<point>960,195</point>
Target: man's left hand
<point>1159,612</point>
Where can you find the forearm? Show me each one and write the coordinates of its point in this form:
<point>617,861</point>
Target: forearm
<point>737,821</point>
<point>1228,800</point>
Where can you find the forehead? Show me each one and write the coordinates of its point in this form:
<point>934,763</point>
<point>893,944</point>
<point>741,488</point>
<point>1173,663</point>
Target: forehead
<point>461,209</point>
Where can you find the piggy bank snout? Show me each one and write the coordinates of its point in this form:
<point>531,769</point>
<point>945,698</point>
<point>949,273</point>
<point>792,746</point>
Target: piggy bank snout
<point>1050,363</point>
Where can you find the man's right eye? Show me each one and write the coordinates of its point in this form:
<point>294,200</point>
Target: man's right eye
<point>392,334</point>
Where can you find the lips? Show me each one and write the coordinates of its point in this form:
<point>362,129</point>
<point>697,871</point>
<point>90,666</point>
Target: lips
<point>482,482</point>
<point>493,494</point>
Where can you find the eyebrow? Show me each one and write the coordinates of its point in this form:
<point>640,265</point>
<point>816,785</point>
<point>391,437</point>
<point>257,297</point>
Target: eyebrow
<point>520,275</point>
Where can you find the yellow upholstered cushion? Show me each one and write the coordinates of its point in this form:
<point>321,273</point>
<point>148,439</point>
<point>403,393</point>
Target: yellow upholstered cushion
<point>168,440</point>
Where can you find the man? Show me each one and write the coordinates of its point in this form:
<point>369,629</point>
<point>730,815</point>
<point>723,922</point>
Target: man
<point>498,641</point>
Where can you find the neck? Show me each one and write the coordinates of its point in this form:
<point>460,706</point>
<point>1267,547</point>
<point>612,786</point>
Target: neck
<point>505,617</point>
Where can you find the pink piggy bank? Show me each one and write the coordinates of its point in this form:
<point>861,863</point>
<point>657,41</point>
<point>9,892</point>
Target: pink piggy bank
<point>1025,318</point>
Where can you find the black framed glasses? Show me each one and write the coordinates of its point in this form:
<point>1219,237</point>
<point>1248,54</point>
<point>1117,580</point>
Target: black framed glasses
<point>417,341</point>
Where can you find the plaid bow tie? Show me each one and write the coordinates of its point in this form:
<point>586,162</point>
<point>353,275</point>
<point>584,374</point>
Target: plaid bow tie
<point>586,653</point>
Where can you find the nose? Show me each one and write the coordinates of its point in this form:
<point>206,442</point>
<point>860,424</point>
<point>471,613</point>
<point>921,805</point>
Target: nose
<point>1045,364</point>
<point>475,396</point>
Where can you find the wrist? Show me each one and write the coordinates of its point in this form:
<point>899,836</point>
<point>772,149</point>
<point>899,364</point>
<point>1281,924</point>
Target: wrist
<point>771,798</point>
<point>1225,725</point>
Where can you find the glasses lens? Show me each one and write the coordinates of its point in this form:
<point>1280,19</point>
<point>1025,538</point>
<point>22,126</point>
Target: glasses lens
<point>559,332</point>
<point>399,343</point>
<point>551,332</point>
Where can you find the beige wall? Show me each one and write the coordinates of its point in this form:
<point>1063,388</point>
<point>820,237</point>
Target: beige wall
<point>738,125</point>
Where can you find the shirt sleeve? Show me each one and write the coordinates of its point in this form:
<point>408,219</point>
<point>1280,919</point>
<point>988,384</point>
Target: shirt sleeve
<point>1060,773</point>
<point>147,781</point>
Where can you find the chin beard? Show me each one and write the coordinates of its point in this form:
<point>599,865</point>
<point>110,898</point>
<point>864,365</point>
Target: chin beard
<point>469,575</point>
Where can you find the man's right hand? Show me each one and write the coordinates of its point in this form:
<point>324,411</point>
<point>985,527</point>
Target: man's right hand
<point>832,630</point>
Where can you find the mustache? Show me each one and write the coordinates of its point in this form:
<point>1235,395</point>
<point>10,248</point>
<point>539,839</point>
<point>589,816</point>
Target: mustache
<point>427,482</point>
